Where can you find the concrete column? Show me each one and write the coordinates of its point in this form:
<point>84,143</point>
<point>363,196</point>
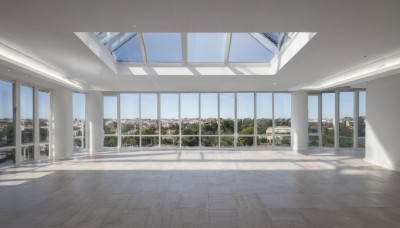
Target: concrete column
<point>94,121</point>
<point>62,144</point>
<point>382,130</point>
<point>300,121</point>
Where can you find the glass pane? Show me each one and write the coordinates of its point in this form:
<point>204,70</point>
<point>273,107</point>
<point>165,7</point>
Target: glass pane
<point>78,143</point>
<point>190,141</point>
<point>119,40</point>
<point>245,113</point>
<point>44,151</point>
<point>110,141</point>
<point>163,47</point>
<point>312,114</point>
<point>273,36</point>
<point>27,153</point>
<point>227,113</point>
<point>7,157</point>
<point>79,108</point>
<point>110,114</point>
<point>150,141</point>
<point>361,118</point>
<point>44,116</point>
<point>282,116</point>
<point>313,141</point>
<point>328,115</point>
<point>130,118</point>
<point>265,140</point>
<point>245,141</point>
<point>209,114</point>
<point>227,141</point>
<point>206,47</point>
<point>170,141</point>
<point>169,104</point>
<point>149,114</point>
<point>190,114</point>
<point>6,115</point>
<point>264,119</point>
<point>130,141</point>
<point>26,114</point>
<point>245,48</point>
<point>265,41</point>
<point>346,119</point>
<point>209,141</point>
<point>129,51</point>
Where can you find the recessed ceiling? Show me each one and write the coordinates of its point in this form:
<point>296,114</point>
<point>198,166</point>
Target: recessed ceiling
<point>346,32</point>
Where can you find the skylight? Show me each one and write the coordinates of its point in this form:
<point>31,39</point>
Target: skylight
<point>199,47</point>
<point>163,47</point>
<point>206,47</point>
<point>193,53</point>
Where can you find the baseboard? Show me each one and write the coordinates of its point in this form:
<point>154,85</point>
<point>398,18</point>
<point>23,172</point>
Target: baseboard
<point>383,166</point>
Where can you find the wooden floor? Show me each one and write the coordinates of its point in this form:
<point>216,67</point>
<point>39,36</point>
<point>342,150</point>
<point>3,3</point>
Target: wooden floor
<point>202,189</point>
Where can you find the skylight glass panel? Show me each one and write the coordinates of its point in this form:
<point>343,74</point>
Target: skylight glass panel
<point>266,42</point>
<point>273,36</point>
<point>163,47</point>
<point>245,48</point>
<point>206,47</point>
<point>119,40</point>
<point>130,51</point>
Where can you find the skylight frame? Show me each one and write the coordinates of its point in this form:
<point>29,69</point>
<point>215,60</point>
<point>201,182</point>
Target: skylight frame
<point>295,41</point>
<point>185,48</point>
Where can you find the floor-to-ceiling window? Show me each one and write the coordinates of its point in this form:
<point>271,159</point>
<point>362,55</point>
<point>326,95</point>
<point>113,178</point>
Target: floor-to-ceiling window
<point>245,119</point>
<point>313,120</point>
<point>110,121</point>
<point>361,118</point>
<point>227,119</point>
<point>346,119</point>
<point>328,117</point>
<point>209,119</point>
<point>27,125</point>
<point>7,142</point>
<point>264,119</point>
<point>149,119</point>
<point>282,117</point>
<point>130,119</point>
<point>338,118</point>
<point>190,119</point>
<point>44,123</point>
<point>197,119</point>
<point>79,117</point>
<point>169,119</point>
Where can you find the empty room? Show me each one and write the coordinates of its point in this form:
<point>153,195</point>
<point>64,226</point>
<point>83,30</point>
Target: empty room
<point>173,113</point>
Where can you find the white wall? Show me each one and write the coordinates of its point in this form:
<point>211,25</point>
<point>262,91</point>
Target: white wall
<point>383,122</point>
<point>62,123</point>
<point>300,121</point>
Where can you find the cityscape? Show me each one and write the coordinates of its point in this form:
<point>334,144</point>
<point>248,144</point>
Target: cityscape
<point>190,131</point>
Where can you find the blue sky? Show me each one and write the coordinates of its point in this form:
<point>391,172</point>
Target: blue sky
<point>346,102</point>
<point>44,105</point>
<point>190,105</point>
<point>26,102</point>
<point>6,99</point>
<point>283,105</point>
<point>201,47</point>
<point>78,103</point>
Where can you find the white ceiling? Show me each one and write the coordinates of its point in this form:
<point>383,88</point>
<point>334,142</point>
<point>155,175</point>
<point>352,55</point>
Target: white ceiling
<point>349,34</point>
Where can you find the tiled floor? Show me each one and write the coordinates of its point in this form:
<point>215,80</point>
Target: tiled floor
<point>202,189</point>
